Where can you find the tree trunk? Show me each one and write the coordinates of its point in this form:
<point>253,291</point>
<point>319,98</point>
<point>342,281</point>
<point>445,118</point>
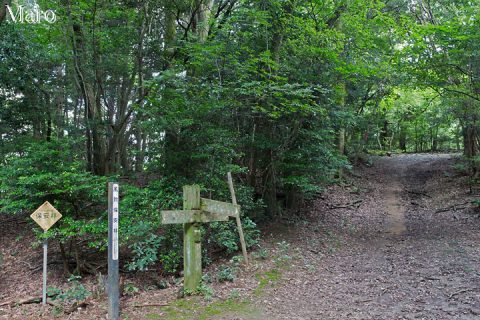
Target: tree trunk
<point>270,192</point>
<point>252,172</point>
<point>140,149</point>
<point>435,140</point>
<point>170,34</point>
<point>341,141</point>
<point>203,20</point>
<point>470,141</point>
<point>66,266</point>
<point>384,135</point>
<point>93,113</point>
<point>341,96</point>
<point>3,10</point>
<point>402,139</point>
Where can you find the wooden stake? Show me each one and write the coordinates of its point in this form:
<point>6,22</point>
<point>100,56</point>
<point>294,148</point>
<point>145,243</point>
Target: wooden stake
<point>192,243</point>
<point>237,218</point>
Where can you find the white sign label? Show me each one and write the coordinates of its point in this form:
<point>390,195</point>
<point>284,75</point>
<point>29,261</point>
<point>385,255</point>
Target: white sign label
<point>115,201</point>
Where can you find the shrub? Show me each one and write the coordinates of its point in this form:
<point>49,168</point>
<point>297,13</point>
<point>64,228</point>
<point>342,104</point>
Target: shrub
<point>55,171</point>
<point>226,273</point>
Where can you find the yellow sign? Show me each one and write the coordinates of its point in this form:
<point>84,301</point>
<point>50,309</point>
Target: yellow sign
<point>46,216</point>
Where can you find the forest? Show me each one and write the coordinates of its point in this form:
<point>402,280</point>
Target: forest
<point>290,96</point>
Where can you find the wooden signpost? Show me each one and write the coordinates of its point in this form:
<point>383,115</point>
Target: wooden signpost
<point>45,216</point>
<point>196,210</point>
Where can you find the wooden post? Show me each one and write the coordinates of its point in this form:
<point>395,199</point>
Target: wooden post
<point>113,276</point>
<point>197,210</point>
<point>192,243</point>
<point>237,218</point>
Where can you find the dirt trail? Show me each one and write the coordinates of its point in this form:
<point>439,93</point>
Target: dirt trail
<point>395,210</point>
<point>398,258</point>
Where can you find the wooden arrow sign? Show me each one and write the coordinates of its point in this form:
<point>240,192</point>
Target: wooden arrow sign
<point>221,208</point>
<point>190,216</point>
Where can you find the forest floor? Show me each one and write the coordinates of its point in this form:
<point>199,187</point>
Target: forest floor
<point>410,251</point>
<point>399,240</point>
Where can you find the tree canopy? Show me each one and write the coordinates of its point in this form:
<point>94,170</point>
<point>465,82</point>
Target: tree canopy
<point>286,94</point>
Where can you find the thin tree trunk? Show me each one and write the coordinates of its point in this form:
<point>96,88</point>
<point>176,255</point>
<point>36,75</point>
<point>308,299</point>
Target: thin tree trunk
<point>203,20</point>
<point>66,267</point>
<point>402,140</point>
<point>3,10</point>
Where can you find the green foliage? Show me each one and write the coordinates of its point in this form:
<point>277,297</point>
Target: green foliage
<point>262,254</point>
<point>75,293</point>
<point>148,240</point>
<point>234,295</point>
<point>145,253</point>
<point>152,243</point>
<point>226,273</point>
<point>267,279</point>
<point>148,252</point>
<point>283,247</point>
<point>205,290</point>
<point>225,234</point>
<point>172,260</point>
<point>284,257</point>
<point>130,289</point>
<point>461,167</point>
<point>268,94</point>
<point>49,171</point>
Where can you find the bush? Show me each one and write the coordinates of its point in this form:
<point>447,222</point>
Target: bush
<point>53,171</point>
<point>75,293</point>
<point>226,273</point>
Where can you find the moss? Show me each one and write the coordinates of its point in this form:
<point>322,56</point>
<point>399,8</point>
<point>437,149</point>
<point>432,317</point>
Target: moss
<point>227,306</point>
<point>193,308</point>
<point>267,278</point>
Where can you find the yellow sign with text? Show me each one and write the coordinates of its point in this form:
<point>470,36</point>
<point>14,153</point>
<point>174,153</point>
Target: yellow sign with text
<point>46,216</point>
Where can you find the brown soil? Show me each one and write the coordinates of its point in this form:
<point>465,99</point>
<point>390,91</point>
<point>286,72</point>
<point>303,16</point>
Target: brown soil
<point>399,257</point>
<point>400,240</point>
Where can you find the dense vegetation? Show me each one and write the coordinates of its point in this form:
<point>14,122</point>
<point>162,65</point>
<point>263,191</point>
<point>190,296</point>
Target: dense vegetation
<point>286,94</point>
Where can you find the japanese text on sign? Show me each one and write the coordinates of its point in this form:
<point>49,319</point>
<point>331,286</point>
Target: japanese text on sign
<point>46,216</point>
<point>115,201</point>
